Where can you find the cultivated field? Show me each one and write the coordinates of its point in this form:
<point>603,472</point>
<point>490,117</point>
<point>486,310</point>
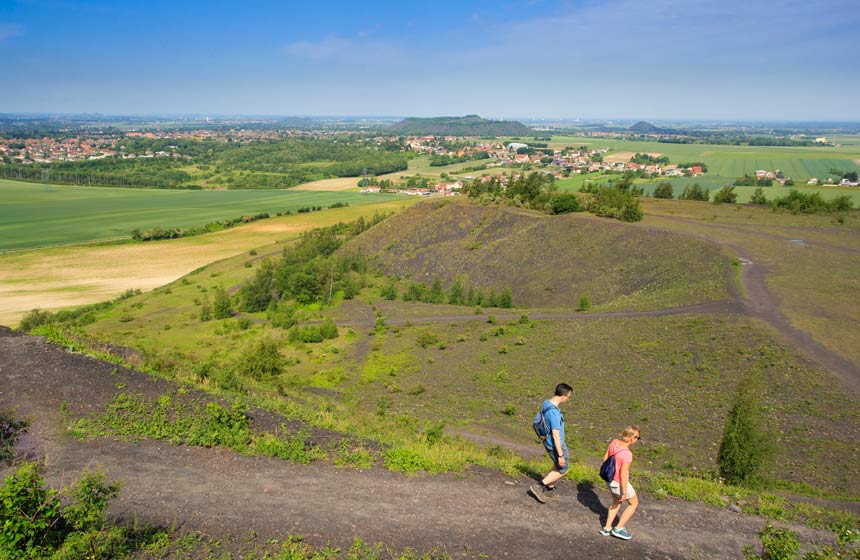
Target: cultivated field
<point>60,277</point>
<point>337,185</point>
<point>35,215</point>
<point>421,166</point>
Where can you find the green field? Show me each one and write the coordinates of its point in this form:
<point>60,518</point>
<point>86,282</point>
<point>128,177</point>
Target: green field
<point>728,162</point>
<point>37,215</point>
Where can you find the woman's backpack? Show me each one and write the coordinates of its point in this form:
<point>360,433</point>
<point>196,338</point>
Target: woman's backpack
<point>607,469</point>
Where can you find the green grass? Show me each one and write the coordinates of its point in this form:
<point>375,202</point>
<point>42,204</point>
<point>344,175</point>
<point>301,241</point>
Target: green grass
<point>34,215</point>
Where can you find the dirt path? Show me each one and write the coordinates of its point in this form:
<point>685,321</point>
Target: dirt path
<point>759,301</point>
<point>219,492</point>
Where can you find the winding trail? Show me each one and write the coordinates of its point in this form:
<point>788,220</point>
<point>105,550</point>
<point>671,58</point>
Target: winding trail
<point>760,302</point>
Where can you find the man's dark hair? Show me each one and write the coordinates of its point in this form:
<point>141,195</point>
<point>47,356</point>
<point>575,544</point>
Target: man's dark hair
<point>563,389</point>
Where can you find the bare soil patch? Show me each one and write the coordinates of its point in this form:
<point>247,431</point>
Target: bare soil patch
<point>339,184</point>
<point>623,157</point>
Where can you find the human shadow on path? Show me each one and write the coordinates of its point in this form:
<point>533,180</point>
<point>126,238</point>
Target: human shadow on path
<point>588,497</point>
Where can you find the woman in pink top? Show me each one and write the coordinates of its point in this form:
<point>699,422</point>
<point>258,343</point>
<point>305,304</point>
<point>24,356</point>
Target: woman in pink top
<point>619,486</point>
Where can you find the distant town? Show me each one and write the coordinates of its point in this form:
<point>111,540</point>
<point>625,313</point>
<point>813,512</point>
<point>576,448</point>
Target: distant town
<point>442,150</point>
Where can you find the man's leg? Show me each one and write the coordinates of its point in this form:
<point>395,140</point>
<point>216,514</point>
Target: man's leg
<point>537,490</point>
<point>557,470</point>
<point>553,477</point>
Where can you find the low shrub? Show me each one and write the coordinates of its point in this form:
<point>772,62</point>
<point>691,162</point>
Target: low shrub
<point>34,523</point>
<point>314,333</point>
<point>565,203</point>
<point>614,202</point>
<point>10,429</point>
<point>261,360</point>
<point>35,318</point>
<point>798,202</point>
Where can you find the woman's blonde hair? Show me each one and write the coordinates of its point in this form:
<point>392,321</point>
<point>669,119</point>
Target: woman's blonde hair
<point>629,432</point>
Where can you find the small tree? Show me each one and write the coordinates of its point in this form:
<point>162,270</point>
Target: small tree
<point>205,310</point>
<point>725,195</point>
<point>506,299</point>
<point>695,192</point>
<point>456,295</point>
<point>664,190</point>
<point>470,296</point>
<point>389,291</point>
<point>328,328</point>
<point>584,303</point>
<point>437,294</point>
<point>758,197</point>
<point>222,308</point>
<point>746,446</point>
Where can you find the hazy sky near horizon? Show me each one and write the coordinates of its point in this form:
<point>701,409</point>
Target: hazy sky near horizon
<point>649,59</point>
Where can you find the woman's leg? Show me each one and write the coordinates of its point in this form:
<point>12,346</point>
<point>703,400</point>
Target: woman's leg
<point>628,511</point>
<point>613,511</point>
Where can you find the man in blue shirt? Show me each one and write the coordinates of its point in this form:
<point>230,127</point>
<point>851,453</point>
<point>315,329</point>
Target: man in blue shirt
<point>555,446</point>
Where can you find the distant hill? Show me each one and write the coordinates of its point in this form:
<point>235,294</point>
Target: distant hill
<point>547,261</point>
<point>643,127</point>
<point>470,125</point>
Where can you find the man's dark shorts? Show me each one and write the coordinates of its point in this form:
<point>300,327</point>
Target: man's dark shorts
<point>553,454</point>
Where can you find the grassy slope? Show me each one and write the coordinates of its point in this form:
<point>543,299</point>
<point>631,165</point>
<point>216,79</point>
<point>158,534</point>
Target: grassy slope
<point>547,261</point>
<point>673,375</point>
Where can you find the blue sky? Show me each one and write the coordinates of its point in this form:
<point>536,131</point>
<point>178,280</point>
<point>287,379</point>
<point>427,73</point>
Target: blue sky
<point>657,59</point>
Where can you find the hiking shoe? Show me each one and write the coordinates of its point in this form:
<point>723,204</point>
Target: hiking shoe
<point>621,533</point>
<point>549,493</point>
<point>537,491</point>
<point>605,532</point>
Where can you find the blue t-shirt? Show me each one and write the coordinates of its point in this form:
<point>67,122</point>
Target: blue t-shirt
<point>554,421</point>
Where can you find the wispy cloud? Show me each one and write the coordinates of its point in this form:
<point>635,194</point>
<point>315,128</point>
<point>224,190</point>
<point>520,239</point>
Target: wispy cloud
<point>10,30</point>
